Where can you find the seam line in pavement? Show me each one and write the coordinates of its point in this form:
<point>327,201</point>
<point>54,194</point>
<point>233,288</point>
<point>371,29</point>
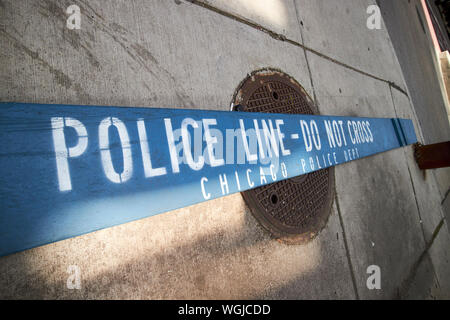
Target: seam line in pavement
<point>417,202</point>
<point>410,174</point>
<point>406,283</point>
<point>306,58</point>
<point>280,37</point>
<point>410,278</point>
<point>347,253</point>
<point>349,260</point>
<point>439,189</point>
<point>445,197</point>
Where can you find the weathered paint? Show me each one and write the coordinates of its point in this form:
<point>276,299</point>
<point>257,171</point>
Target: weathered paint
<point>67,170</point>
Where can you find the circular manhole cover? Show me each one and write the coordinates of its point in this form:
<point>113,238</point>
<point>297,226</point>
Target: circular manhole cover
<point>296,209</point>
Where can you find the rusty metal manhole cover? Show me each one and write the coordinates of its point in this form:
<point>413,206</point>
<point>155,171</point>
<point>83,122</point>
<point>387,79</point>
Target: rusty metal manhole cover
<point>293,210</point>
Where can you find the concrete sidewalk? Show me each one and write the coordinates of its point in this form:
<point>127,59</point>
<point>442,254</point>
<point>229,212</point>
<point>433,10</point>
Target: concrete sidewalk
<point>185,55</point>
<point>412,40</point>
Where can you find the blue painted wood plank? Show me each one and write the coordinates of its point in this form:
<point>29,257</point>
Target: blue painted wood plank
<point>67,170</point>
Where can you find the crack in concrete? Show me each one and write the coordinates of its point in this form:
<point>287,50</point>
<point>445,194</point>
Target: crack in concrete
<point>445,196</point>
<point>406,284</point>
<point>60,77</point>
<point>52,10</point>
<point>120,35</point>
<point>138,53</point>
<point>281,37</point>
<point>409,171</point>
<point>349,260</point>
<point>306,58</point>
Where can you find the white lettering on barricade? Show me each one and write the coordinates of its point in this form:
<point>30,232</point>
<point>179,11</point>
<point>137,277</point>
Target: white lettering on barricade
<point>206,195</point>
<point>171,145</point>
<point>101,166</point>
<point>335,133</point>
<point>194,165</point>
<point>62,152</point>
<point>149,171</point>
<point>210,142</point>
<point>269,142</point>
<point>250,156</point>
<point>103,134</point>
<point>284,151</point>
